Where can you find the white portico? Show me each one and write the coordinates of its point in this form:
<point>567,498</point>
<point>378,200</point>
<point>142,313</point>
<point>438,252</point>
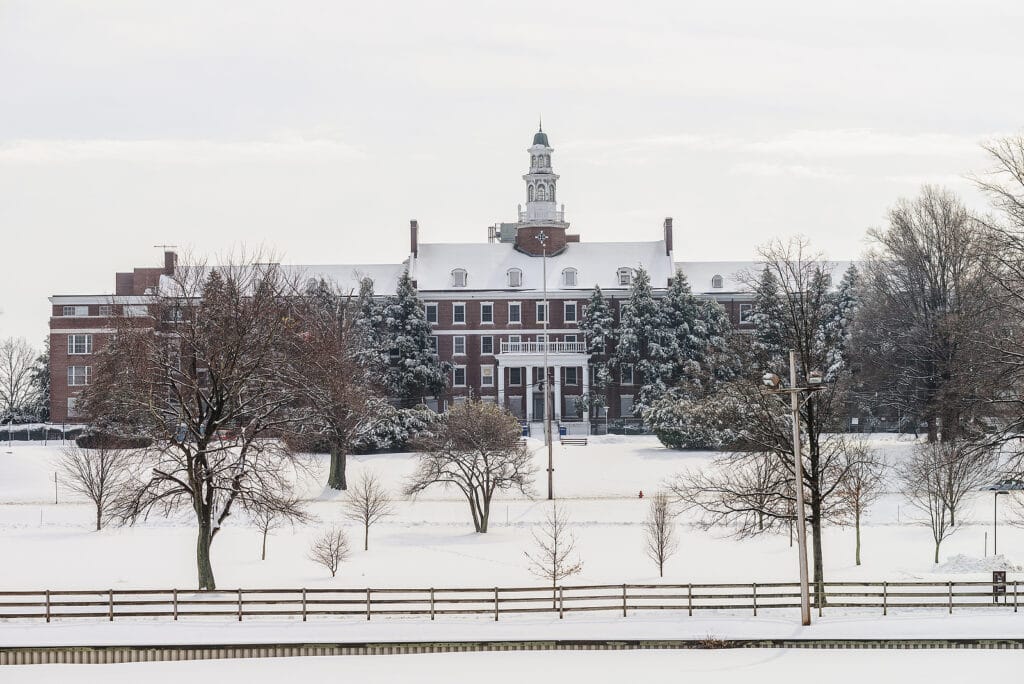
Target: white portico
<point>529,356</point>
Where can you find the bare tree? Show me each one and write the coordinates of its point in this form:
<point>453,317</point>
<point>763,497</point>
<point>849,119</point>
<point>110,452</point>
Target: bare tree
<point>288,509</point>
<point>863,482</point>
<point>475,447</point>
<point>923,484</point>
<point>330,549</point>
<point>203,375</point>
<point>927,295</point>
<point>335,378</point>
<point>660,531</point>
<point>17,389</point>
<point>555,556</point>
<point>98,475</point>
<point>368,502</point>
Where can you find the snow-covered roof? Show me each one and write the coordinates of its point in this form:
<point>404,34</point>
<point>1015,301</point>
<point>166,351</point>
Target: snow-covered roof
<point>346,277</point>
<point>701,274</point>
<point>487,265</point>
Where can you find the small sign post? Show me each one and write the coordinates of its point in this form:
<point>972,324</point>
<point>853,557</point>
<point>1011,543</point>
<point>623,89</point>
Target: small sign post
<point>998,585</point>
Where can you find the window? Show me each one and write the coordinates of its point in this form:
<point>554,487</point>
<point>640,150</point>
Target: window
<point>458,376</point>
<point>515,312</point>
<point>627,375</point>
<point>459,277</point>
<point>75,311</point>
<point>746,311</point>
<point>515,376</point>
<point>569,338</point>
<point>569,277</point>
<point>542,312</point>
<point>570,312</point>
<point>541,339</point>
<point>79,344</point>
<point>514,342</point>
<point>433,344</point>
<point>572,376</point>
<point>72,407</point>
<point>106,310</point>
<point>717,282</point>
<point>487,376</point>
<point>625,276</point>
<point>459,313</point>
<point>626,405</point>
<point>136,310</point>
<point>430,309</point>
<point>486,313</point>
<point>486,344</point>
<point>515,277</point>
<point>459,345</point>
<point>173,314</point>
<point>78,375</point>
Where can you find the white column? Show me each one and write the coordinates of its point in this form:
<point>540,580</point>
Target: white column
<point>586,389</point>
<point>501,385</point>
<point>557,371</point>
<point>528,373</point>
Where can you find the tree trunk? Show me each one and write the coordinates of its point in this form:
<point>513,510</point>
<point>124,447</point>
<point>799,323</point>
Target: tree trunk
<point>484,515</point>
<point>819,565</point>
<point>264,555</point>
<point>99,518</point>
<point>366,537</point>
<point>204,567</point>
<point>856,525</point>
<point>339,461</point>
<point>937,552</point>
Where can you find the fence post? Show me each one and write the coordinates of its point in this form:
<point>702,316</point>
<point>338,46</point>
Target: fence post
<point>1014,596</point>
<point>495,604</point>
<point>561,603</point>
<point>819,598</point>
<point>303,604</point>
<point>174,592</point>
<point>689,600</point>
<point>367,603</point>
<point>110,604</point>
<point>755,598</point>
<point>47,605</point>
<point>431,603</point>
<point>950,598</point>
<point>239,604</point>
<point>885,598</point>
<point>623,600</point>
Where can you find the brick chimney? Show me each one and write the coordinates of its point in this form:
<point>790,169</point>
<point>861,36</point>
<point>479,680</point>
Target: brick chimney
<point>170,262</point>
<point>414,238</point>
<point>668,236</point>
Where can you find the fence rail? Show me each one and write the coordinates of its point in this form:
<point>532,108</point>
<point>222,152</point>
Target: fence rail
<point>238,604</point>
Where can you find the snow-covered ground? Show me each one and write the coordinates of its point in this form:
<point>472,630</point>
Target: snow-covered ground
<point>721,667</point>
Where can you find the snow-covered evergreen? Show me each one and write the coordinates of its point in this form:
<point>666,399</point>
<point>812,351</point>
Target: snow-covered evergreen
<point>598,327</point>
<point>413,371</point>
<point>643,342</point>
<point>767,319</point>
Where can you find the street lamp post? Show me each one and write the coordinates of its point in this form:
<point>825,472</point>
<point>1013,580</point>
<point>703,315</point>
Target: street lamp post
<point>773,383</point>
<point>1001,488</point>
<point>543,239</point>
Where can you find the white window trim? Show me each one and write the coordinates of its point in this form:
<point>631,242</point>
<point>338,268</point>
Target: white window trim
<point>464,376</point>
<point>70,375</point>
<point>632,406</point>
<point>437,312</point>
<point>482,305</point>
<point>521,373</point>
<point>508,277</point>
<point>624,271</point>
<point>74,310</point>
<point>88,344</point>
<point>717,282</point>
<point>575,277</point>
<point>455,340</point>
<point>575,313</point>
<point>465,313</point>
<point>106,309</point>
<point>632,375</point>
<point>576,380</point>
<point>491,338</point>
<point>435,345</point>
<point>516,304</point>
<point>547,311</point>
<point>484,377</point>
<point>749,309</point>
<point>465,277</point>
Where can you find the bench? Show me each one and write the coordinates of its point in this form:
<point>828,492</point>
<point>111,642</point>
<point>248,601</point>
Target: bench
<point>574,441</point>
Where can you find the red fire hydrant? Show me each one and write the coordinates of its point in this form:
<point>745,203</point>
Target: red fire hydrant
<point>641,493</point>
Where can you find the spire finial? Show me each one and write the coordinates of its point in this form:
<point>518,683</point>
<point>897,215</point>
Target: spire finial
<point>540,123</point>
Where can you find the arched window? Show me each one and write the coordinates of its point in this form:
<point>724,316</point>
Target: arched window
<point>459,277</point>
<point>515,277</point>
<point>551,195</point>
<point>717,282</point>
<point>542,193</point>
<point>569,277</point>
<point>533,160</point>
<point>625,276</point>
<point>529,193</point>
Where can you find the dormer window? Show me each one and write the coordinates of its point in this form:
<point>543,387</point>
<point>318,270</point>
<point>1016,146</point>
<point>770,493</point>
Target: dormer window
<point>717,282</point>
<point>515,277</point>
<point>459,277</point>
<point>569,277</point>
<point>625,276</point>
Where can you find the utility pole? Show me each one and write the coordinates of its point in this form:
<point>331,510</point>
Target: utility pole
<point>798,472</point>
<point>543,238</point>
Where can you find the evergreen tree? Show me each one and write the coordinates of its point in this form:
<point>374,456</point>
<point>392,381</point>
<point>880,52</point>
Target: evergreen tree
<point>369,326</point>
<point>598,328</point>
<point>642,342</point>
<point>685,341</point>
<point>41,382</point>
<point>413,370</point>
<point>767,318</point>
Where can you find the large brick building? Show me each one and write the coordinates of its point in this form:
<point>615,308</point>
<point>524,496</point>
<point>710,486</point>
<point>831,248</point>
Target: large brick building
<point>485,301</point>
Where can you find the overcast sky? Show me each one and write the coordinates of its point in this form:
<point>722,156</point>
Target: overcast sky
<point>318,129</point>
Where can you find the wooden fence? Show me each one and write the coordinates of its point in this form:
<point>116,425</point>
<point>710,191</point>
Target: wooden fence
<point>239,604</point>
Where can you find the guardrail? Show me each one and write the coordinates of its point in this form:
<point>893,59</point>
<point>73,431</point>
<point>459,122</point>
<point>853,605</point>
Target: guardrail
<point>238,604</point>
<point>541,347</point>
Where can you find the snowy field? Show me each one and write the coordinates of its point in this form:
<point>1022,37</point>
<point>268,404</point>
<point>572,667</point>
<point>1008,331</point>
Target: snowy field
<point>430,541</point>
<point>721,667</point>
